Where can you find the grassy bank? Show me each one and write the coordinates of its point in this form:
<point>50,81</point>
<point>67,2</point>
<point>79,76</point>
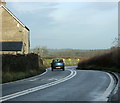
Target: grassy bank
<point>13,76</point>
<point>16,67</point>
<point>106,62</point>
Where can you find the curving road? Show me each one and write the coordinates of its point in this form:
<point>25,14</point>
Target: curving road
<point>58,85</point>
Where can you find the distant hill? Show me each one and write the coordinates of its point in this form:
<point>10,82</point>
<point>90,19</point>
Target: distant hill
<point>72,53</point>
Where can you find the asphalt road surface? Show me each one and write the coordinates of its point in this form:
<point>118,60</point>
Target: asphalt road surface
<point>58,85</point>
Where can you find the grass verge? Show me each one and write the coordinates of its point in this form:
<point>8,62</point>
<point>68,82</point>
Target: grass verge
<point>20,66</point>
<point>14,76</point>
<point>105,62</point>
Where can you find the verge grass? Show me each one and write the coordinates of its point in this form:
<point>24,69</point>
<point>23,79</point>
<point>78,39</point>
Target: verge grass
<point>16,67</point>
<point>105,62</point>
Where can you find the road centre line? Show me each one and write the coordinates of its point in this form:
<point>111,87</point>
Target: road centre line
<point>24,92</point>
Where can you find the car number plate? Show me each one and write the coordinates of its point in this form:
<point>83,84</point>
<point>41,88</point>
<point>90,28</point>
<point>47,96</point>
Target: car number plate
<point>57,67</point>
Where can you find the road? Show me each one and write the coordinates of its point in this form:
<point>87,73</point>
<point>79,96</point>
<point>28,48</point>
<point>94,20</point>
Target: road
<point>58,85</point>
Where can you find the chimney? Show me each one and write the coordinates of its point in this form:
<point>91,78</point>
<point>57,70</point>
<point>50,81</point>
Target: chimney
<point>3,2</point>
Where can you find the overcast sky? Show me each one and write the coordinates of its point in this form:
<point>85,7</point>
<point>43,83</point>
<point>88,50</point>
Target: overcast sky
<point>76,25</point>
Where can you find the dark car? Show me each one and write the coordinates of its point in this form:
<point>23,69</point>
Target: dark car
<point>57,64</point>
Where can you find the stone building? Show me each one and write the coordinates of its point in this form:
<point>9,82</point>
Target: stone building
<point>14,35</point>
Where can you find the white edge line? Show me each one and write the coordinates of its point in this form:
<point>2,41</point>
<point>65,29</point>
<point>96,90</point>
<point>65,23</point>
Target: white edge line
<point>26,78</point>
<point>106,94</point>
<point>117,86</point>
<point>14,95</point>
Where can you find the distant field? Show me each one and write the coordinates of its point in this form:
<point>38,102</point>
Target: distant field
<point>69,61</point>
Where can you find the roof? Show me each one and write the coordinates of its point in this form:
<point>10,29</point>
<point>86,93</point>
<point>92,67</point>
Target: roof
<point>14,17</point>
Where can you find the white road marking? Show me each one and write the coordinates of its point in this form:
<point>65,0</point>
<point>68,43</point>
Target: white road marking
<point>108,91</point>
<point>52,79</point>
<point>24,92</point>
<point>34,79</point>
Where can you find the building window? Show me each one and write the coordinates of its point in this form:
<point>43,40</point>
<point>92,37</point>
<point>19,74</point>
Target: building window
<point>11,46</point>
